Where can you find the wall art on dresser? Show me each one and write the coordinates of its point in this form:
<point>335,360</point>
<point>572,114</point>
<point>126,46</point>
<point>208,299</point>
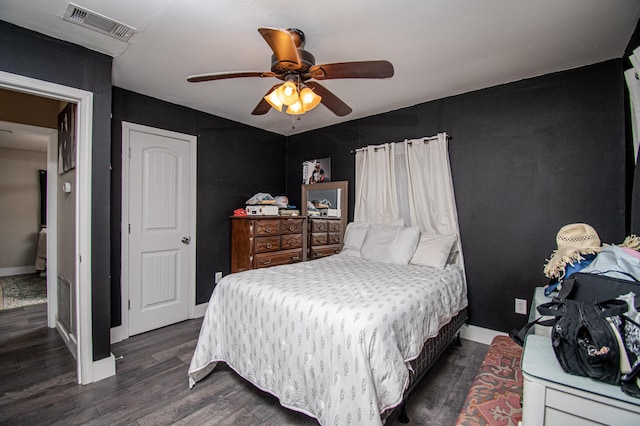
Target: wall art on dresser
<point>67,138</point>
<point>316,171</point>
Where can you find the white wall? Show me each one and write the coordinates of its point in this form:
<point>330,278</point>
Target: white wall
<point>19,209</point>
<point>66,250</point>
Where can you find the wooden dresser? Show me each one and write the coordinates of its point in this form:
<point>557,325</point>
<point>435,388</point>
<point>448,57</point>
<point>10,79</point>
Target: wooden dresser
<point>262,241</point>
<point>325,236</point>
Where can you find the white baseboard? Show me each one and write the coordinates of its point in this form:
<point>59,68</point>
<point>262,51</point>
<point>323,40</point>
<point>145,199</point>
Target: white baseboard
<point>17,270</point>
<point>104,368</point>
<point>118,334</point>
<point>479,334</point>
<point>68,339</point>
<point>198,311</point>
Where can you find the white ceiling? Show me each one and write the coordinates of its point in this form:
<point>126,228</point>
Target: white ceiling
<point>22,136</point>
<point>438,48</point>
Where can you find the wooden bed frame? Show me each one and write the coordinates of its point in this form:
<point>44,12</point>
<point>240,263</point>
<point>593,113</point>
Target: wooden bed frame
<point>431,352</point>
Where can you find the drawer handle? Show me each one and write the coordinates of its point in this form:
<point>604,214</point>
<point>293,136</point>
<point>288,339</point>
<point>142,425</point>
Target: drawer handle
<point>267,230</point>
<point>291,228</point>
<point>295,257</point>
<point>266,262</point>
<point>292,243</point>
<point>268,246</point>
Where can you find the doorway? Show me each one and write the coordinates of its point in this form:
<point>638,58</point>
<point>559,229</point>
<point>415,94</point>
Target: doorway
<point>87,369</point>
<point>23,203</point>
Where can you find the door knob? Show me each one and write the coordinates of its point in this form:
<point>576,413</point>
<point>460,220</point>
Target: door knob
<point>186,240</point>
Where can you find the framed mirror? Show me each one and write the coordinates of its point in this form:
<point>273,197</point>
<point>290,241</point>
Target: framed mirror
<point>331,194</point>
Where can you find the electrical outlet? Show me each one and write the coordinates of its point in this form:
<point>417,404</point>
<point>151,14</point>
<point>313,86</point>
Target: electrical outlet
<point>218,277</point>
<point>521,306</point>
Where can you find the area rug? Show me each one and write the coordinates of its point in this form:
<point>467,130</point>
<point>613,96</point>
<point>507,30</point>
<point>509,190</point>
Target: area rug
<point>22,290</point>
<point>496,391</point>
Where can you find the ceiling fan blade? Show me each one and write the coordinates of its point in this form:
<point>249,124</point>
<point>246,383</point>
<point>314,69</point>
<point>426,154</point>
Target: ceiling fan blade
<point>331,101</point>
<point>282,43</point>
<point>224,75</point>
<point>363,69</point>
<point>263,106</point>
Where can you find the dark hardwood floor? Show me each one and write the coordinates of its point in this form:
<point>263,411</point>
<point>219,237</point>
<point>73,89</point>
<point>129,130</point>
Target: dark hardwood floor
<point>38,382</point>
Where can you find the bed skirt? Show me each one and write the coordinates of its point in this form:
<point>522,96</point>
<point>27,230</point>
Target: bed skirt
<point>430,353</point>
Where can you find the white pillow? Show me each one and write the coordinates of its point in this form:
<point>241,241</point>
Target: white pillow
<point>433,250</point>
<point>353,238</point>
<point>355,234</point>
<point>390,244</point>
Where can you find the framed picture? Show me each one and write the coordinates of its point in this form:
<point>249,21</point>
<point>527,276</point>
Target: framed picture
<point>316,171</point>
<point>67,139</point>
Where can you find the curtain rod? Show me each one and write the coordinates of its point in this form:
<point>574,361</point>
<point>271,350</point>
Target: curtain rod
<point>431,138</point>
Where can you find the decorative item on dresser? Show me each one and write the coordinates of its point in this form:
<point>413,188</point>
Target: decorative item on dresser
<point>325,236</point>
<point>262,241</point>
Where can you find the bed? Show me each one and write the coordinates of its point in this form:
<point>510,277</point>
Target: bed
<point>340,338</point>
<point>41,254</point>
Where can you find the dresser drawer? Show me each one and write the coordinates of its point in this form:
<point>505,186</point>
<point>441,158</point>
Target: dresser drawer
<point>598,410</point>
<point>266,244</point>
<point>282,257</point>
<point>319,225</point>
<point>291,226</point>
<point>291,241</point>
<point>334,238</point>
<point>317,253</point>
<point>266,227</point>
<point>318,239</point>
<point>335,226</point>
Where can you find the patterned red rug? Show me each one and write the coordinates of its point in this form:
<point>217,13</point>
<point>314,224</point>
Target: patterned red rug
<point>496,391</point>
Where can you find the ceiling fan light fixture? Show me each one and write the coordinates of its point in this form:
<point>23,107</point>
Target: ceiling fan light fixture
<point>288,93</point>
<point>296,108</point>
<point>274,100</point>
<point>309,98</point>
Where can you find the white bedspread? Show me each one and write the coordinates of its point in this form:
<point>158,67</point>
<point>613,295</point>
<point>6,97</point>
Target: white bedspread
<point>330,337</point>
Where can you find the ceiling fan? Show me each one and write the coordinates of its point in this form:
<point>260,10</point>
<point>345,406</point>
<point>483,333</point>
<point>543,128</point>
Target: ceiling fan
<point>295,66</point>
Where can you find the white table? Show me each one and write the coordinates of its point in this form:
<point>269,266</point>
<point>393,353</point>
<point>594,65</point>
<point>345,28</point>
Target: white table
<point>553,397</point>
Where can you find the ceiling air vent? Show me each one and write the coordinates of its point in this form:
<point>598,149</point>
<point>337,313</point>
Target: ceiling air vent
<point>97,22</point>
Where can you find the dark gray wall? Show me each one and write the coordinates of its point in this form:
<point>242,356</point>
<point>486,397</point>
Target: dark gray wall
<point>526,158</point>
<point>235,161</point>
<point>37,56</point>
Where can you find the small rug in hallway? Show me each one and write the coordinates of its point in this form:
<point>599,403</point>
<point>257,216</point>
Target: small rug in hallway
<point>22,290</point>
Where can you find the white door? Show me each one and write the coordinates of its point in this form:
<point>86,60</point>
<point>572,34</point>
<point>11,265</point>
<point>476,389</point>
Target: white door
<point>159,228</point>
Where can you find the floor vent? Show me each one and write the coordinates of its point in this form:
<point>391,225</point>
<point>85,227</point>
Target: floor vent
<point>97,22</point>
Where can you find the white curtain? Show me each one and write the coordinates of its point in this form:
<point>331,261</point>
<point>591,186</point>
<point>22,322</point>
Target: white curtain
<point>409,180</point>
<point>376,199</point>
<point>632,77</point>
<point>432,201</point>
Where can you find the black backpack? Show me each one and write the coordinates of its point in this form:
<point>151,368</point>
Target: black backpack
<point>582,338</point>
<point>586,335</point>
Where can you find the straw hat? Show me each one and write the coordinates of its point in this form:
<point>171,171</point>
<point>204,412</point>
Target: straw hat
<point>573,241</point>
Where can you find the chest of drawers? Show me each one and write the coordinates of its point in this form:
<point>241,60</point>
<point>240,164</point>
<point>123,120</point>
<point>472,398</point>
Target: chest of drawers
<point>263,241</point>
<point>325,237</point>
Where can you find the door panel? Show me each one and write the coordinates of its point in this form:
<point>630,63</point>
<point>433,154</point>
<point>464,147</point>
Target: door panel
<point>159,215</point>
